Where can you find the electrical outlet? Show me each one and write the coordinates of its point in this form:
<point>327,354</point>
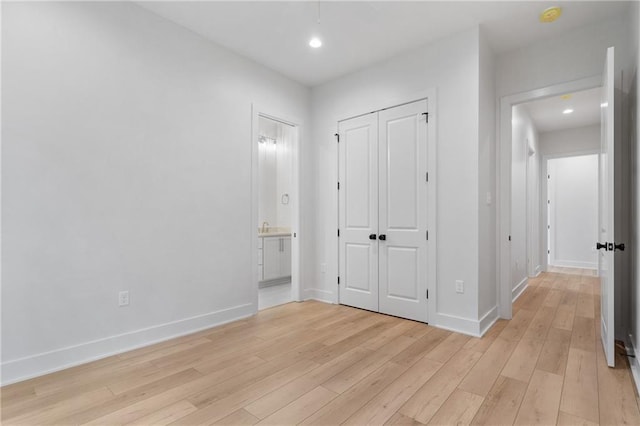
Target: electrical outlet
<point>123,298</point>
<point>459,286</point>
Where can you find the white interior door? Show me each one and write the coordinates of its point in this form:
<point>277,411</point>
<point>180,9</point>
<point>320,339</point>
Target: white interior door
<point>403,211</point>
<point>358,217</point>
<point>606,210</point>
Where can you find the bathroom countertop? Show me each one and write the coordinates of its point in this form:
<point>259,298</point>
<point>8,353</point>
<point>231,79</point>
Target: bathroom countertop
<point>274,234</point>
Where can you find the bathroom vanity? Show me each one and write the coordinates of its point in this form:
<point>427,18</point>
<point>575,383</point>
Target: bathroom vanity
<point>274,256</point>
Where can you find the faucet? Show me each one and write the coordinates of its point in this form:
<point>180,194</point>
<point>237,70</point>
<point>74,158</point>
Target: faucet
<point>265,226</point>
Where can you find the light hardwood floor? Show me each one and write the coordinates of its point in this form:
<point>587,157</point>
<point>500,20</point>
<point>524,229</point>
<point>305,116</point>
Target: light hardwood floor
<point>315,363</point>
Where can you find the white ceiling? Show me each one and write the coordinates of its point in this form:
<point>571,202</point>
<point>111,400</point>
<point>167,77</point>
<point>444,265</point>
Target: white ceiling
<point>358,33</point>
<point>548,117</point>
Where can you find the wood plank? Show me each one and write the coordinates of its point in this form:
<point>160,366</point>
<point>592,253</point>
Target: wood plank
<point>352,375</point>
<point>617,401</point>
<point>401,420</point>
<point>301,408</point>
<point>343,406</point>
<point>542,399</point>
<point>459,409</point>
<point>523,360</point>
<point>281,397</point>
<point>554,354</point>
<point>565,419</point>
<point>501,403</point>
<point>382,407</point>
<point>481,378</point>
<point>580,390</point>
<point>448,347</point>
<point>238,418</point>
<point>584,334</point>
<point>167,415</point>
<point>428,399</point>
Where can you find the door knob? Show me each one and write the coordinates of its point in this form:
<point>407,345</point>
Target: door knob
<point>382,237</point>
<point>601,246</point>
<point>618,247</point>
<point>372,236</point>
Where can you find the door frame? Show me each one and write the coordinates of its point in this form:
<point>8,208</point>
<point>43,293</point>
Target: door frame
<point>503,178</point>
<point>378,105</point>
<point>270,113</point>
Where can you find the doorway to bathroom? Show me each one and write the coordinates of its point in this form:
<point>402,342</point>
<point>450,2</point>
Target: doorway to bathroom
<point>275,154</point>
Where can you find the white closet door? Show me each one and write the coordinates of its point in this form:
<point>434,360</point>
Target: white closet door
<point>403,211</point>
<point>358,176</point>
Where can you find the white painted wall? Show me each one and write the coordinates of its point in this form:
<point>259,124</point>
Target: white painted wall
<point>126,166</point>
<point>487,295</point>
<point>524,177</point>
<point>451,66</point>
<point>633,305</point>
<point>573,211</point>
<point>562,143</point>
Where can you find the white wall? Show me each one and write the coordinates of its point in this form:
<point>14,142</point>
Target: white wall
<point>524,177</point>
<point>633,306</point>
<point>126,166</point>
<point>487,295</point>
<point>570,141</point>
<point>573,211</point>
<point>562,143</point>
<point>451,66</point>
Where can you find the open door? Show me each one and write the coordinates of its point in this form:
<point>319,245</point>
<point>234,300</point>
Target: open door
<point>606,245</point>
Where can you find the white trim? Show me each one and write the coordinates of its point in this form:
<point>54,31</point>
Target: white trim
<point>320,295</point>
<point>634,364</point>
<point>431,95</point>
<point>269,112</point>
<point>25,368</point>
<point>574,264</point>
<point>470,327</point>
<point>503,178</point>
<point>519,289</point>
<point>537,271</point>
<point>487,321</point>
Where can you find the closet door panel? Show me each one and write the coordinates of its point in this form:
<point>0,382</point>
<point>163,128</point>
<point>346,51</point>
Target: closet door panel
<point>403,211</point>
<point>358,206</point>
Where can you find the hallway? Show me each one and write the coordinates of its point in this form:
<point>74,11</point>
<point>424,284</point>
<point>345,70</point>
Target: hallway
<point>326,364</point>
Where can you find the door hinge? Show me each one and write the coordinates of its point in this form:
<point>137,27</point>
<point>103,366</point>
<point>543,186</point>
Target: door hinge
<point>427,293</point>
<point>338,280</point>
<point>548,226</point>
<point>548,176</point>
<point>427,176</point>
<point>509,237</point>
<point>548,251</point>
<point>427,235</point>
<point>338,232</point>
<point>548,201</point>
<point>426,114</point>
<point>337,135</point>
<point>338,186</point>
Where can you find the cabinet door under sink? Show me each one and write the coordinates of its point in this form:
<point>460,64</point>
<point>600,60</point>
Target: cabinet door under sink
<point>271,258</point>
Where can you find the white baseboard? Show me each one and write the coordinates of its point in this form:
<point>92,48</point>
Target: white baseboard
<point>470,327</point>
<point>537,271</point>
<point>574,264</point>
<point>488,320</point>
<point>319,295</point>
<point>59,359</point>
<point>633,362</point>
<point>519,289</point>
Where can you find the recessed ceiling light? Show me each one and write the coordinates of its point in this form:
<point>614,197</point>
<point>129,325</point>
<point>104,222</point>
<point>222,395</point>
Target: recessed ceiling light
<point>567,111</point>
<point>566,97</point>
<point>550,14</point>
<point>315,42</point>
<point>604,104</point>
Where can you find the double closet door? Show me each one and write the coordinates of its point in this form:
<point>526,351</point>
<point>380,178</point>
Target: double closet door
<point>383,210</point>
